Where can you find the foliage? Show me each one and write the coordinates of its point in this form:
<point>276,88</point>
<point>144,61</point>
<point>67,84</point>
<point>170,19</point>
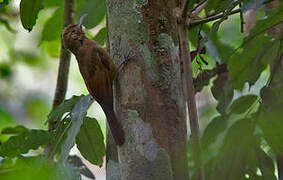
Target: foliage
<point>90,141</point>
<point>232,143</point>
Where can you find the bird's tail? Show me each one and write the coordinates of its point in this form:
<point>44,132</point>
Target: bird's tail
<point>115,127</point>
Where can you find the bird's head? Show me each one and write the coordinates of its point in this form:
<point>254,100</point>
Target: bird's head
<point>73,35</point>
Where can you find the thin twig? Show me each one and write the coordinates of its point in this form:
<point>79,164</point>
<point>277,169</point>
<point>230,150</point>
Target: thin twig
<point>242,19</point>
<point>211,18</point>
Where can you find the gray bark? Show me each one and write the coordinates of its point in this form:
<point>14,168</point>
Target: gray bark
<point>149,99</point>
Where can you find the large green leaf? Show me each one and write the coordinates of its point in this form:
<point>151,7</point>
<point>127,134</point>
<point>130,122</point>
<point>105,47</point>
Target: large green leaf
<point>90,141</point>
<point>77,114</point>
<point>53,26</point>
<point>29,10</point>
<point>22,143</point>
<point>213,129</point>
<point>248,63</point>
<point>63,108</point>
<point>266,165</point>
<point>233,158</point>
<point>271,123</point>
<point>243,103</point>
<point>95,10</point>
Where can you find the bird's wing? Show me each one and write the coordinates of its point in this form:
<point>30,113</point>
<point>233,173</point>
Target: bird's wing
<point>100,54</point>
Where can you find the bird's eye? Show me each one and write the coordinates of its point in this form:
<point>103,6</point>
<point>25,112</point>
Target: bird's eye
<point>73,30</point>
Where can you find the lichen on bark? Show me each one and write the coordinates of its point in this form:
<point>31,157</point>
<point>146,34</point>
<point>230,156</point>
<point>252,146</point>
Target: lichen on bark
<point>148,91</point>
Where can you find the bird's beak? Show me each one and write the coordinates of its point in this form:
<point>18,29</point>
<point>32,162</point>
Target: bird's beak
<point>81,20</point>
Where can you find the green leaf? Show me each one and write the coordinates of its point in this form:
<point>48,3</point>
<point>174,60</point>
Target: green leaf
<point>101,36</point>
<point>77,115</point>
<point>5,70</point>
<point>95,10</point>
<point>271,124</point>
<point>247,65</point>
<point>223,92</point>
<point>38,167</point>
<point>29,10</point>
<point>53,3</point>
<point>60,135</point>
<point>90,141</point>
<point>14,130</point>
<point>52,47</point>
<point>53,27</point>
<point>226,12</point>
<point>242,104</point>
<point>22,143</point>
<point>213,129</point>
<point>233,158</point>
<point>64,107</point>
<point>217,6</point>
<point>266,165</point>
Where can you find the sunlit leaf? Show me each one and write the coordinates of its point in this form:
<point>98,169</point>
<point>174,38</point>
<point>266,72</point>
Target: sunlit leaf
<point>29,10</point>
<point>242,104</point>
<point>22,143</point>
<point>90,141</point>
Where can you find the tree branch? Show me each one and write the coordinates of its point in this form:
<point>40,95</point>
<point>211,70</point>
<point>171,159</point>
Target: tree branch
<point>65,56</point>
<point>188,88</point>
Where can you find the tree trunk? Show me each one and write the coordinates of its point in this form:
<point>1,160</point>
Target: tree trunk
<point>149,99</point>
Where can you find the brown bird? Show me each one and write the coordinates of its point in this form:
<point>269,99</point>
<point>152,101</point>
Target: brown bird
<point>98,71</point>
